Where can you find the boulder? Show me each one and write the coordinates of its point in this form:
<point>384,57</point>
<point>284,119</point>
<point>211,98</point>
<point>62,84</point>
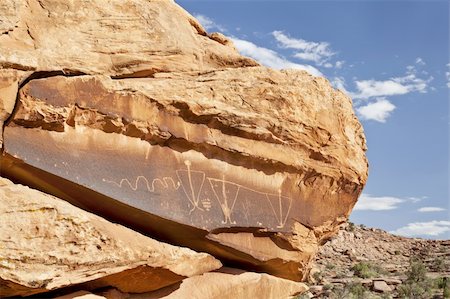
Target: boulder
<point>49,244</point>
<point>381,286</point>
<point>226,283</point>
<point>144,118</point>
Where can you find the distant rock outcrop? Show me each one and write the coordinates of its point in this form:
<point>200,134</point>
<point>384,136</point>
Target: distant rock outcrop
<point>131,110</point>
<point>365,260</point>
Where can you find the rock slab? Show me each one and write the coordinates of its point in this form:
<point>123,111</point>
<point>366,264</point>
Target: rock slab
<point>48,244</point>
<point>226,283</point>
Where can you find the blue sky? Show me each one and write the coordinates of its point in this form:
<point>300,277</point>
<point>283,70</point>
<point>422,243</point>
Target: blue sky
<point>392,58</point>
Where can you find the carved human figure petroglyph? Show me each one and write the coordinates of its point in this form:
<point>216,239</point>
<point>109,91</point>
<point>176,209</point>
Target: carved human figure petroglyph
<point>192,190</point>
<point>279,215</point>
<point>222,197</point>
<point>225,192</point>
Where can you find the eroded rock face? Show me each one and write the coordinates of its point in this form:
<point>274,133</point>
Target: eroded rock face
<point>224,283</point>
<point>118,38</point>
<point>48,244</point>
<point>206,150</point>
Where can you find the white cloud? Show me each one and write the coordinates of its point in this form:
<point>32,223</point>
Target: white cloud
<point>208,23</point>
<point>270,58</point>
<point>318,52</point>
<point>412,83</point>
<point>339,64</point>
<point>430,209</point>
<point>372,88</point>
<point>379,110</point>
<point>394,86</point>
<point>417,199</point>
<point>447,75</point>
<point>420,61</point>
<point>367,202</point>
<point>431,228</point>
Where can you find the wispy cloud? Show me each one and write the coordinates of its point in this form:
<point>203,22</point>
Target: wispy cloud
<point>270,58</point>
<point>318,52</point>
<point>431,228</point>
<point>367,202</point>
<point>370,96</point>
<point>420,61</point>
<point>209,23</point>
<point>430,209</point>
<point>339,64</point>
<point>447,75</point>
<point>379,110</point>
<point>395,86</point>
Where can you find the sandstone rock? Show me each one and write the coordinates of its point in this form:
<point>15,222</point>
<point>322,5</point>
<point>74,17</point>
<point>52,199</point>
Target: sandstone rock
<point>366,282</point>
<point>80,295</point>
<point>230,283</point>
<point>381,286</point>
<point>187,151</point>
<point>10,80</point>
<point>209,150</point>
<point>118,38</point>
<point>48,244</point>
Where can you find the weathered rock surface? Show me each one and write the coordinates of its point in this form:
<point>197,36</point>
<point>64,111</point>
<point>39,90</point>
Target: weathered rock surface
<point>224,283</point>
<point>132,38</point>
<point>203,150</point>
<point>206,149</point>
<point>233,284</point>
<point>47,243</point>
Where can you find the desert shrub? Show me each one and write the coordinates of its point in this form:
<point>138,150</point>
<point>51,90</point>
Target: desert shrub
<point>366,270</point>
<point>327,287</point>
<point>339,292</point>
<point>349,291</point>
<point>416,285</point>
<point>357,290</point>
<point>330,266</point>
<point>317,276</point>
<point>439,264</point>
<point>351,226</point>
<point>444,284</point>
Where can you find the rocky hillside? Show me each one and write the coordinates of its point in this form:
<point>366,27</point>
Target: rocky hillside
<point>361,262</point>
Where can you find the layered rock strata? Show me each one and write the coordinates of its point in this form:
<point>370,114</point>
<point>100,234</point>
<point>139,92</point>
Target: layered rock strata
<point>47,244</point>
<point>224,283</point>
<point>168,130</point>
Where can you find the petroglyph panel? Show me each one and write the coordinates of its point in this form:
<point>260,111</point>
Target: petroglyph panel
<point>185,187</point>
<point>157,152</point>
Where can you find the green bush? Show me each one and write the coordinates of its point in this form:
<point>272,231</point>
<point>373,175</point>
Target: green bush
<point>366,270</point>
<point>416,285</point>
<point>349,291</point>
<point>444,284</point>
<point>439,264</point>
<point>357,291</point>
<point>351,226</point>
